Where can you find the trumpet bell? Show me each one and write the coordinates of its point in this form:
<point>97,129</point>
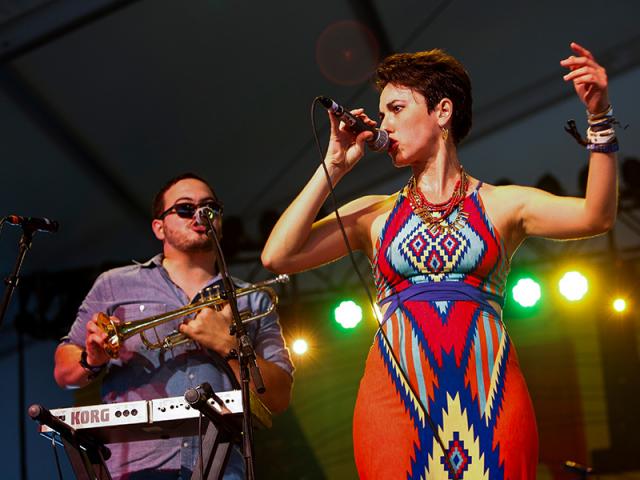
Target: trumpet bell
<point>112,345</point>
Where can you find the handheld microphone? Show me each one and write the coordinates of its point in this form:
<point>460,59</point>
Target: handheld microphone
<point>380,140</point>
<point>33,223</point>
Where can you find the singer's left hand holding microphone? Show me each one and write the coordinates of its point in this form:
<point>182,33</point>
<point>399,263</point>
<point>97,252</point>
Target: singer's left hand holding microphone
<point>346,148</point>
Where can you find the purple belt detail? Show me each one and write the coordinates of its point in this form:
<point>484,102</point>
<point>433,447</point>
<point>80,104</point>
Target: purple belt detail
<point>441,291</point>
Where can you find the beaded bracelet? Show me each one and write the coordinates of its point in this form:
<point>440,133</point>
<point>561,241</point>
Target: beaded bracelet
<point>596,117</point>
<point>601,135</point>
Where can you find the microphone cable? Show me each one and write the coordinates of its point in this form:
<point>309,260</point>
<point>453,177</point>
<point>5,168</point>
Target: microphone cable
<point>380,330</point>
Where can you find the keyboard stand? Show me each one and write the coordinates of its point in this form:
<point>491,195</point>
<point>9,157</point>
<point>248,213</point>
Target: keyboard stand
<point>86,454</point>
<point>219,438</point>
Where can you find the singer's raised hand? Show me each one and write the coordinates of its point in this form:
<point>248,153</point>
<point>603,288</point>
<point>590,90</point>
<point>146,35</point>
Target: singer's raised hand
<point>589,78</point>
<point>346,148</point>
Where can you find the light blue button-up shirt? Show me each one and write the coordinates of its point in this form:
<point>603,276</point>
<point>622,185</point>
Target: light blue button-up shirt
<point>140,291</point>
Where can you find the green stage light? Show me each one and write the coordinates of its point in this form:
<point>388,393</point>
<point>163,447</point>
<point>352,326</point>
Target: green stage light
<point>573,286</point>
<point>526,292</point>
<point>348,314</point>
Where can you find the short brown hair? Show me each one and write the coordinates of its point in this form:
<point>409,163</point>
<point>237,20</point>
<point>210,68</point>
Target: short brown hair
<point>157,206</point>
<point>436,75</point>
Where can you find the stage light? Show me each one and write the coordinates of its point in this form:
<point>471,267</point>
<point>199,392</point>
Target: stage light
<point>619,305</point>
<point>377,313</point>
<point>526,292</point>
<point>573,286</point>
<point>348,314</point>
<point>300,346</point>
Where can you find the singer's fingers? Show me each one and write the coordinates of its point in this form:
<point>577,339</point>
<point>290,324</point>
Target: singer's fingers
<point>580,50</point>
<point>359,112</point>
<point>362,138</point>
<point>338,128</point>
<point>333,121</point>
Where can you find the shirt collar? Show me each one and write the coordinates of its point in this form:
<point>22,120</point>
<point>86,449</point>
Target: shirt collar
<point>155,261</point>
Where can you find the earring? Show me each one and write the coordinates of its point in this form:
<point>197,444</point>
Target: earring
<point>445,133</point>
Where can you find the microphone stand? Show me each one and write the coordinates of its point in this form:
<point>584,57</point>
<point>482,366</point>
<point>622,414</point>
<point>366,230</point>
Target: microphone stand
<point>12,280</point>
<point>246,353</point>
<point>11,283</point>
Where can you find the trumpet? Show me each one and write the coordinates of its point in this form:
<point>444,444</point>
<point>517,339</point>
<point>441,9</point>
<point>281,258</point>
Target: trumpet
<point>210,297</point>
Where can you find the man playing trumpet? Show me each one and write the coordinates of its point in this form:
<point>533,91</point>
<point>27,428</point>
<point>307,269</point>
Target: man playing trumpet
<point>167,282</point>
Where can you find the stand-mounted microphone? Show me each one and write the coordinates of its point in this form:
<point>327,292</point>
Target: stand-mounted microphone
<point>205,216</point>
<point>33,223</point>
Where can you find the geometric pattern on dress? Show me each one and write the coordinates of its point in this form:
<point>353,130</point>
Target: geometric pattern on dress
<point>496,278</point>
<point>402,387</point>
<point>395,251</point>
<point>497,379</point>
<point>452,412</point>
<point>449,416</point>
<point>423,252</point>
<point>416,251</point>
<point>453,420</point>
<point>452,354</point>
<point>415,360</point>
<point>461,444</point>
<point>458,456</point>
<point>486,357</point>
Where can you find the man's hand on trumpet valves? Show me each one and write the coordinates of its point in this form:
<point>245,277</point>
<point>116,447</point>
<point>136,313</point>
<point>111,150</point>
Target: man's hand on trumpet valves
<point>210,328</point>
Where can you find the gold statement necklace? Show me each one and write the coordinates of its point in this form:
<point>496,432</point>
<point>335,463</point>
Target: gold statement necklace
<point>436,215</point>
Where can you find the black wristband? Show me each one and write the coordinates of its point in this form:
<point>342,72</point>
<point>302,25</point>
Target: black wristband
<point>94,370</point>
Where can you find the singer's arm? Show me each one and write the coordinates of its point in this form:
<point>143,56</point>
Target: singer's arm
<point>296,242</point>
<point>548,216</point>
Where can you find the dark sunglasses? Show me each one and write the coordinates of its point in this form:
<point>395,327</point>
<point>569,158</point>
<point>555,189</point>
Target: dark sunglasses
<point>187,210</point>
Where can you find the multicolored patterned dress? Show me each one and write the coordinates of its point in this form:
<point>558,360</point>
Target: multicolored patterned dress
<point>446,354</point>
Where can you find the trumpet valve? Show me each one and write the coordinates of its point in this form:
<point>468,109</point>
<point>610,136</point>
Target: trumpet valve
<point>112,347</point>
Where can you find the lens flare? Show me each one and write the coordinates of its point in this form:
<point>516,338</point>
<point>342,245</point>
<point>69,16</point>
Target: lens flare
<point>300,346</point>
<point>573,286</point>
<point>348,314</point>
<point>526,292</point>
<point>619,305</point>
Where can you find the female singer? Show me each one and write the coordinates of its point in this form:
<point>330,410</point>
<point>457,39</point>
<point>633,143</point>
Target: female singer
<point>442,394</point>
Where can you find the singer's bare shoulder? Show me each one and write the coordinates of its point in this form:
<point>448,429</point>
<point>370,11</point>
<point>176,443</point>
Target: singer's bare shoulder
<point>374,206</point>
<point>363,207</point>
<point>372,215</point>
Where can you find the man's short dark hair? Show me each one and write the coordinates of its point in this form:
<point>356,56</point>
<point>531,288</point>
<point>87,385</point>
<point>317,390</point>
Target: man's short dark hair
<point>157,206</point>
<point>436,75</point>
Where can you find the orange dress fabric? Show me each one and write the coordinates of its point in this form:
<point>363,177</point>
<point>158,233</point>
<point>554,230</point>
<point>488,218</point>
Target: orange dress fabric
<point>447,363</point>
